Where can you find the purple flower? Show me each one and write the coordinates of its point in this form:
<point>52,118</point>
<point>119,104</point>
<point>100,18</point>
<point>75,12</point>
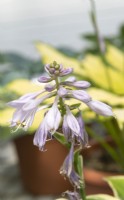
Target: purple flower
<point>43,79</point>
<point>72,122</point>
<point>65,72</point>
<point>72,195</point>
<point>100,108</point>
<point>81,95</point>
<point>70,79</point>
<point>75,179</point>
<point>41,135</point>
<point>62,92</point>
<point>48,126</point>
<point>53,117</point>
<point>26,108</point>
<point>67,166</point>
<point>50,87</point>
<point>83,138</point>
<point>66,130</point>
<point>24,99</point>
<point>77,84</point>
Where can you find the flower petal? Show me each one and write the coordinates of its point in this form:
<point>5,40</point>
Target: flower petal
<point>43,79</point>
<point>65,72</point>
<point>100,108</point>
<point>41,135</point>
<point>78,84</point>
<point>81,95</point>
<point>72,121</point>
<point>62,92</point>
<point>53,117</point>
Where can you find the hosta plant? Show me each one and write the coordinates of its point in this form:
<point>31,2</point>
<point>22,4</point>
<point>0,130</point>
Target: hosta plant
<point>62,101</point>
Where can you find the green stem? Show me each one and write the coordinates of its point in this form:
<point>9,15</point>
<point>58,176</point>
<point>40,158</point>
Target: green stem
<point>61,103</point>
<point>100,42</point>
<point>78,162</point>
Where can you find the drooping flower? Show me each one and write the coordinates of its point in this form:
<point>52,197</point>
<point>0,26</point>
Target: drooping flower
<point>53,117</point>
<point>48,126</point>
<point>41,135</point>
<point>100,108</point>
<point>75,179</point>
<point>67,166</point>
<point>72,195</point>
<point>72,121</point>
<point>66,130</point>
<point>83,138</point>
<point>24,99</point>
<point>26,110</point>
<point>67,169</point>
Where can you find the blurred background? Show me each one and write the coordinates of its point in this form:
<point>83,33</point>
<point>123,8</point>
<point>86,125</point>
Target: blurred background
<point>59,23</point>
<point>64,25</point>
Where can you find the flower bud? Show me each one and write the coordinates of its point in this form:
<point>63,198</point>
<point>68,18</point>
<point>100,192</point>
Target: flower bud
<point>65,72</point>
<point>62,92</point>
<point>81,95</point>
<point>100,108</point>
<point>43,79</point>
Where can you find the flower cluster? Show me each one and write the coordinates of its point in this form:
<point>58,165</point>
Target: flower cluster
<point>60,113</point>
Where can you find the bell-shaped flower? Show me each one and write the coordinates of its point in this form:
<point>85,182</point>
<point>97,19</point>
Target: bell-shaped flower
<point>81,95</point>
<point>77,84</point>
<point>100,108</point>
<point>62,92</point>
<point>24,99</point>
<point>83,138</point>
<point>24,114</point>
<point>41,134</point>
<point>75,179</point>
<point>53,117</point>
<point>67,166</point>
<point>72,122</point>
<point>66,130</point>
<point>72,195</point>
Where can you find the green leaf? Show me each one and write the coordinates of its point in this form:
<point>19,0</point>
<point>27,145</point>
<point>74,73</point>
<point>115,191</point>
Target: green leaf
<point>117,185</point>
<point>60,137</point>
<point>101,197</point>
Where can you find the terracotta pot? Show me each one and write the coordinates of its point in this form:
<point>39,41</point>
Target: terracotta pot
<point>40,170</point>
<point>94,179</point>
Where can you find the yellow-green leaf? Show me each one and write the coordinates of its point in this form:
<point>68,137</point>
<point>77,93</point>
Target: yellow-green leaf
<point>101,197</point>
<point>106,96</point>
<point>117,185</point>
<point>23,86</point>
<point>115,57</point>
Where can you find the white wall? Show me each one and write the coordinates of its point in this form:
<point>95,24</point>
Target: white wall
<point>58,22</point>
